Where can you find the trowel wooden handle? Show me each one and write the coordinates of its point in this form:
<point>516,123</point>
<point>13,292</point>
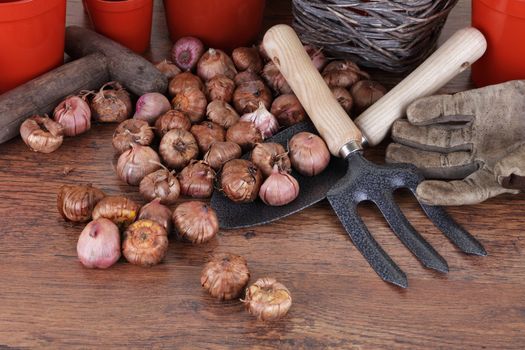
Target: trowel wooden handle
<point>454,56</point>
<point>286,51</point>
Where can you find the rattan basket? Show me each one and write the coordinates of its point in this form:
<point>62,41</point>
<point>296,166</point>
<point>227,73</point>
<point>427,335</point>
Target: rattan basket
<point>393,35</point>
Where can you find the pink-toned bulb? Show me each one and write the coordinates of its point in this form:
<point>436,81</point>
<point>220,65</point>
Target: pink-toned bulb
<point>74,114</point>
<point>280,188</point>
<point>98,245</point>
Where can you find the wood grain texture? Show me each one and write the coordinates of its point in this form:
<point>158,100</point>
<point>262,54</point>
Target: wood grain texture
<point>134,72</point>
<point>462,49</point>
<point>86,73</point>
<point>285,49</point>
<point>48,300</point>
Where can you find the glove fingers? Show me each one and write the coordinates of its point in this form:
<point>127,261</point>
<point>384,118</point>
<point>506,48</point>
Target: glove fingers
<point>510,171</point>
<point>441,109</point>
<point>433,165</point>
<point>475,189</point>
<point>436,138</point>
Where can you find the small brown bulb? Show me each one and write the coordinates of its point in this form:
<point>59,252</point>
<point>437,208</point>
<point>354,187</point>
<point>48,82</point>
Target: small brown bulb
<point>145,243</point>
<point>206,133</point>
<point>288,110</point>
<point>111,105</point>
<point>132,131</point>
<point>76,202</point>
<point>220,88</point>
<point>246,77</point>
<point>245,134</point>
<point>344,98</point>
<point>177,148</point>
<point>267,299</point>
<point>366,93</point>
<point>192,102</point>
<point>308,153</point>
<point>196,180</point>
<point>170,120</point>
<point>317,56</point>
<point>275,79</point>
<point>225,276</point>
<point>247,58</point>
<point>42,134</point>
<point>342,74</point>
<point>168,68</point>
<point>184,81</point>
<point>137,162</point>
<point>221,152</point>
<point>262,52</point>
<point>222,113</point>
<point>215,62</point>
<point>121,210</point>
<point>267,155</point>
<point>241,180</point>
<point>157,212</point>
<point>195,221</point>
<point>161,184</point>
<point>249,95</point>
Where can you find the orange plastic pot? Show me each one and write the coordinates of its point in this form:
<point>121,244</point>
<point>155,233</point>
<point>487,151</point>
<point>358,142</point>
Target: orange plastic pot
<point>32,34</point>
<point>128,22</point>
<point>503,24</point>
<point>223,24</point>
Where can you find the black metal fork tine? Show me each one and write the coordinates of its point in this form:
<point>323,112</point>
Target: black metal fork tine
<point>382,264</point>
<point>453,231</point>
<point>408,235</point>
<point>439,217</point>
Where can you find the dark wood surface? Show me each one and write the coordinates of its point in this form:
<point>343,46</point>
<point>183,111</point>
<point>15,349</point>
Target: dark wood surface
<point>48,300</point>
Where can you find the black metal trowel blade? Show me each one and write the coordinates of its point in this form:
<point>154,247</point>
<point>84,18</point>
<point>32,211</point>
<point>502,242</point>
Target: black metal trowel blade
<point>312,190</point>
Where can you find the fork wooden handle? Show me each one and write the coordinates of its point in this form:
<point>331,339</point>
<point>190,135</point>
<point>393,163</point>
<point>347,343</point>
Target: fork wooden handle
<point>286,51</point>
<point>455,55</point>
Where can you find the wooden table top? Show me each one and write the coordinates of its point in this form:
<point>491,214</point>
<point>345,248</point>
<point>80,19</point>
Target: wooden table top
<point>47,299</point>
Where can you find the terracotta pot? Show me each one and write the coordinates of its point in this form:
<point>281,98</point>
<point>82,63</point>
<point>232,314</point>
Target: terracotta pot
<point>32,34</point>
<point>223,24</point>
<point>503,24</point>
<point>128,22</point>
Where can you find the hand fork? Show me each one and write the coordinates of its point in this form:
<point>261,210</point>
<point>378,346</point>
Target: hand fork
<point>365,181</point>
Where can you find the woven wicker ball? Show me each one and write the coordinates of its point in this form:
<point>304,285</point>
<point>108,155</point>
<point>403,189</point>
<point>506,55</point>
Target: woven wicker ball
<point>393,35</point>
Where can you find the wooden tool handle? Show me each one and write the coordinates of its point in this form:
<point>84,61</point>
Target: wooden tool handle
<point>41,95</point>
<point>454,56</point>
<point>286,51</point>
<point>137,74</point>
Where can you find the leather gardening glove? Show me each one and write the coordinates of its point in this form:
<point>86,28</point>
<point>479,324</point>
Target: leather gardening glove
<point>475,138</point>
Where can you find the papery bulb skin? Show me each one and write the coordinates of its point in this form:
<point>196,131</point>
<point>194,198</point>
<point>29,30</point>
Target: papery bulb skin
<point>76,202</point>
<point>42,134</point>
<point>225,276</point>
<point>186,52</point>
<point>214,62</point>
<point>241,180</point>
<point>98,245</point>
<point>74,114</point>
<point>280,188</point>
<point>134,164</point>
<point>145,243</point>
<point>150,106</point>
<point>267,299</point>
<point>308,153</point>
<point>195,221</point>
<point>264,121</point>
<point>168,68</point>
